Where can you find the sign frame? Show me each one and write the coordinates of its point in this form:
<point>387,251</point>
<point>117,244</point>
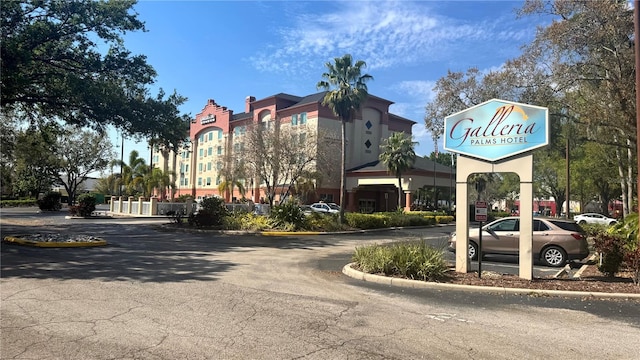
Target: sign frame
<point>481,211</point>
<point>497,129</point>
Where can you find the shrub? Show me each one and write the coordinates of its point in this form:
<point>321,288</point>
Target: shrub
<point>632,261</point>
<point>365,221</point>
<point>413,260</point>
<point>287,215</point>
<point>212,213</point>
<point>627,230</point>
<point>50,201</point>
<point>183,198</point>
<point>611,247</point>
<point>247,221</point>
<point>593,230</point>
<point>446,219</point>
<point>176,217</point>
<point>18,203</point>
<point>321,222</point>
<point>86,205</point>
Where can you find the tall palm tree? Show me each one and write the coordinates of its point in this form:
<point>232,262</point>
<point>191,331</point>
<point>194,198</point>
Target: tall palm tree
<point>397,152</point>
<point>132,173</point>
<point>347,90</point>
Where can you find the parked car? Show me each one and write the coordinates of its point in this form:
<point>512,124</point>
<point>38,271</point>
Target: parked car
<point>555,241</point>
<point>594,218</point>
<point>324,208</point>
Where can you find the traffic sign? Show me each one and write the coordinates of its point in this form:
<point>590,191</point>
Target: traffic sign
<point>481,211</point>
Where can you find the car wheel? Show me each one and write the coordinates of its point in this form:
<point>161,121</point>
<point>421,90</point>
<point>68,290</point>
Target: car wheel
<point>473,251</point>
<point>554,256</point>
<point>612,223</point>
<point>582,222</point>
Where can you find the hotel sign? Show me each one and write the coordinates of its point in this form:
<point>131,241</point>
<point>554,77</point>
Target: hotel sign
<point>208,119</point>
<point>496,129</point>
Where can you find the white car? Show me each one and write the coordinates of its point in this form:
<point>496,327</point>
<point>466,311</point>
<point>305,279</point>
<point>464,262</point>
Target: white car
<point>324,208</point>
<point>594,218</point>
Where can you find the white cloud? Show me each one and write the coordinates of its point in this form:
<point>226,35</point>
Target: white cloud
<point>384,34</point>
<point>419,89</point>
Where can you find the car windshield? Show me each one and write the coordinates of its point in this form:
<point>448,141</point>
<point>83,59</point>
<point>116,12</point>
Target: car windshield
<point>334,206</point>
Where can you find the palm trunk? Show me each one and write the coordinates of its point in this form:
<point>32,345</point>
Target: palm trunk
<point>399,191</point>
<point>343,179</point>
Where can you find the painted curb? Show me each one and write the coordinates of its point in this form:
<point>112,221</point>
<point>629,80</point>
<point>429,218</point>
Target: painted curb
<point>417,284</point>
<point>52,244</point>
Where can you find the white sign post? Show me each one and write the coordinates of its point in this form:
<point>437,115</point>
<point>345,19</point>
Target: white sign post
<point>496,136</point>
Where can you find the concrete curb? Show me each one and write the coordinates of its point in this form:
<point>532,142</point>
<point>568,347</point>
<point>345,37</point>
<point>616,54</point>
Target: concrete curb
<point>417,284</point>
<point>52,244</point>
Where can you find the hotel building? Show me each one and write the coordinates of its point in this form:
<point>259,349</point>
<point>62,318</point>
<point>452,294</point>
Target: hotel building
<point>217,130</point>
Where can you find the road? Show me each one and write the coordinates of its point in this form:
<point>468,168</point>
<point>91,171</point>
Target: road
<point>158,294</point>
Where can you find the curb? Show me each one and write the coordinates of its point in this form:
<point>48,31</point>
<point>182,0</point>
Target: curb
<point>417,284</point>
<point>51,244</point>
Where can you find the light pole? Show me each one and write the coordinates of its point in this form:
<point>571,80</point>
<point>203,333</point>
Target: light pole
<point>121,162</point>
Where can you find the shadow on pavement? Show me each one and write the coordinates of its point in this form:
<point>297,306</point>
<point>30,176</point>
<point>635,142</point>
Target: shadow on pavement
<point>135,252</point>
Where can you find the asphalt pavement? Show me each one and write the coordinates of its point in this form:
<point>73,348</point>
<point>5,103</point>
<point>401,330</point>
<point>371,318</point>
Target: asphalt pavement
<point>159,294</point>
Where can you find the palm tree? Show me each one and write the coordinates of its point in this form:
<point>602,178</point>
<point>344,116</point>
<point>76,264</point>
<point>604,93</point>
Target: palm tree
<point>397,152</point>
<point>132,173</point>
<point>155,178</point>
<point>228,184</point>
<point>307,183</point>
<point>108,185</point>
<point>348,93</point>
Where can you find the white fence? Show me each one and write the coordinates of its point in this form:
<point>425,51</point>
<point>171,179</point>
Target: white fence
<point>131,207</point>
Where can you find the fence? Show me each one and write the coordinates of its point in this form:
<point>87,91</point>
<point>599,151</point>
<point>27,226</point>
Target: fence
<point>131,207</point>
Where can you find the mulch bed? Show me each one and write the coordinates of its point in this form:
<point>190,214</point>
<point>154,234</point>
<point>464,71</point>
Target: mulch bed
<point>591,280</point>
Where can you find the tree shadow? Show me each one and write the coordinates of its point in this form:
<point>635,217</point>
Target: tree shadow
<point>136,252</point>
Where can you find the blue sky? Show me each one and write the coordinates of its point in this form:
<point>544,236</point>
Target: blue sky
<point>228,50</point>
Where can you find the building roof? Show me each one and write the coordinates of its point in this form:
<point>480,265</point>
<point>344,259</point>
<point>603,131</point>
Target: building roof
<point>420,163</point>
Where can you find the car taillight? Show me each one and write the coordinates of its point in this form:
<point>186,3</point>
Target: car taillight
<point>577,236</point>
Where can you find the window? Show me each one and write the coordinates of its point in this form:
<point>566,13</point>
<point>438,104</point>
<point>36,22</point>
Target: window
<point>303,138</point>
<point>219,150</point>
<point>199,168</point>
<point>219,134</point>
<point>326,197</point>
<point>210,135</point>
<point>199,181</point>
<point>186,168</point>
<point>186,182</point>
<point>201,138</point>
<point>506,225</point>
<point>294,119</point>
<point>209,166</point>
<point>218,166</point>
<point>303,118</point>
<point>201,152</point>
<point>208,181</point>
<point>210,151</point>
<point>239,131</point>
<point>539,226</point>
<point>218,180</point>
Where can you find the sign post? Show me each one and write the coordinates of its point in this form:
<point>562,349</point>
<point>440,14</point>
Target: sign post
<point>481,216</point>
<point>492,137</point>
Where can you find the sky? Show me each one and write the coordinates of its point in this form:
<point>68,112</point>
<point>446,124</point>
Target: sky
<point>228,50</point>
